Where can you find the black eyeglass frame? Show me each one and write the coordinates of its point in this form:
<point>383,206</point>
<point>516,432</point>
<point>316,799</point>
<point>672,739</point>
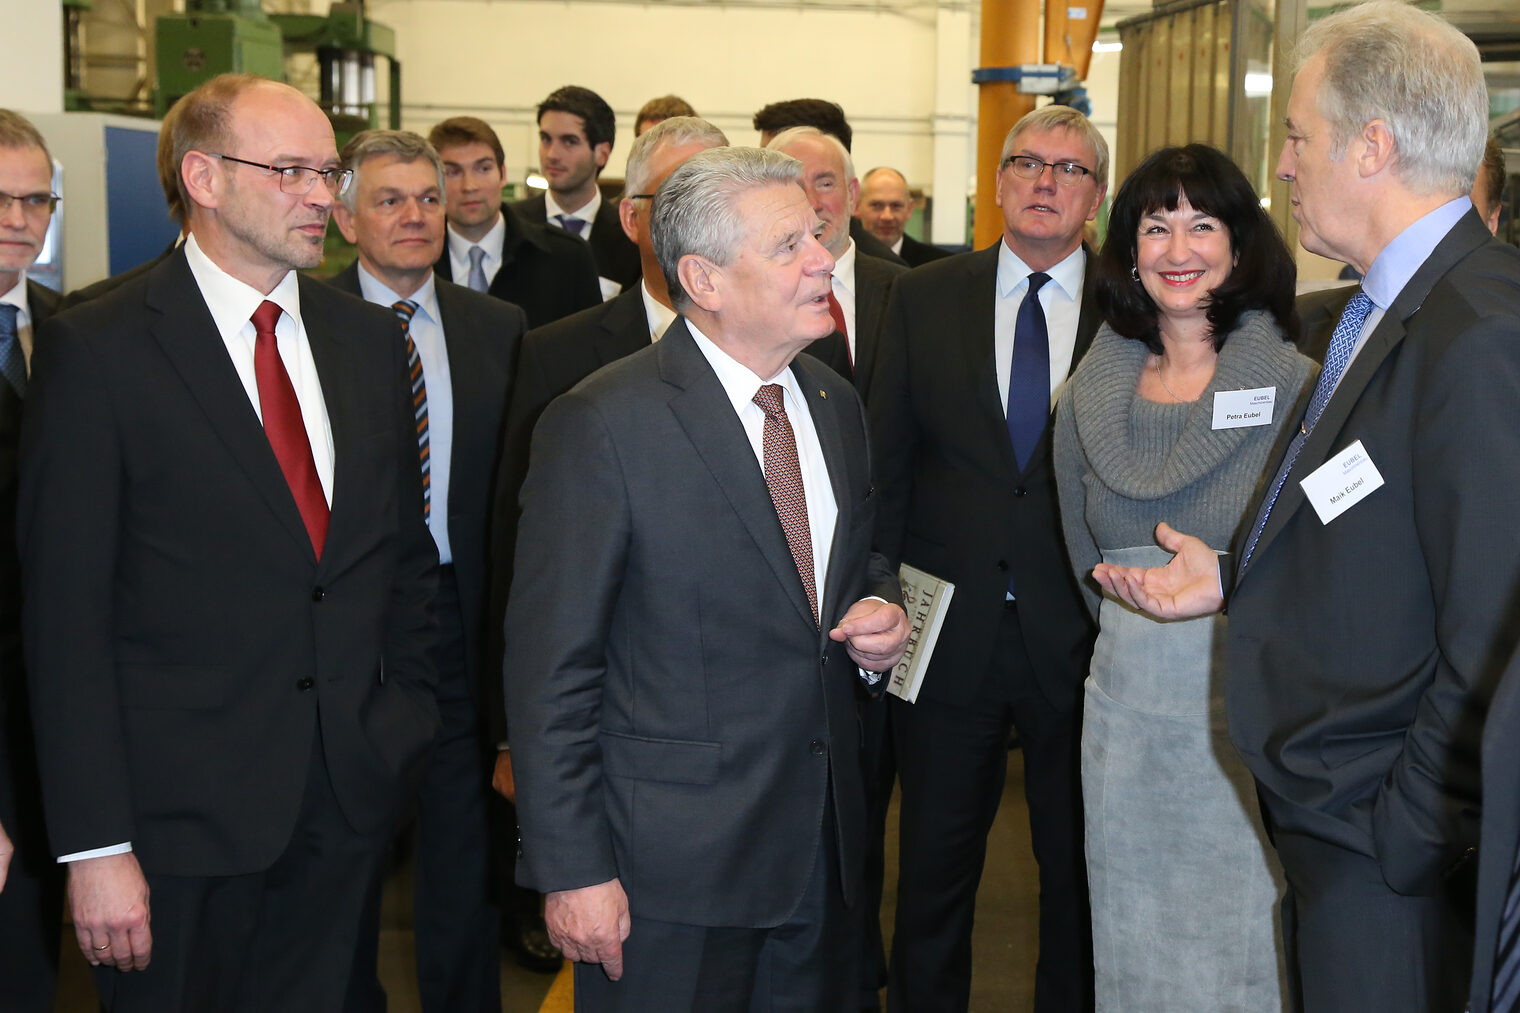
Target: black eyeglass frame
<point>7,199</point>
<point>336,180</point>
<point>1058,170</point>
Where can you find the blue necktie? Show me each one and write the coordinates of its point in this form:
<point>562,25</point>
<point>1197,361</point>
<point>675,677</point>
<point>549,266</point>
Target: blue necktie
<point>571,224</point>
<point>1506,987</point>
<point>1029,374</point>
<point>477,280</point>
<point>12,359</point>
<point>1337,356</point>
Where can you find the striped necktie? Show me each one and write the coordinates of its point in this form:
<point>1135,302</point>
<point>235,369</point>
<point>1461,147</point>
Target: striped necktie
<point>1506,990</point>
<point>404,311</point>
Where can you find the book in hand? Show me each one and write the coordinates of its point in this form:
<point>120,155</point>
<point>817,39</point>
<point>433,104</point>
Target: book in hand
<point>926,598</point>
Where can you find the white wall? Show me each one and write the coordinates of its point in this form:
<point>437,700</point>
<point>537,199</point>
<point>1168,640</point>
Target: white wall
<point>33,77</point>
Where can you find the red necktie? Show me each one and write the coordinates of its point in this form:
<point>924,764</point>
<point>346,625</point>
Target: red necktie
<point>837,312</point>
<point>285,428</point>
<point>783,476</point>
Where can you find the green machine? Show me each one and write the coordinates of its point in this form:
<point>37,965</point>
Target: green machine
<point>213,37</point>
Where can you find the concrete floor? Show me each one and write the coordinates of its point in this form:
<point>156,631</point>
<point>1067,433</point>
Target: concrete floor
<point>1004,945</point>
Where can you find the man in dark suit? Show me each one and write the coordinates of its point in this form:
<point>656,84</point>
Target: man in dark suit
<point>228,586</point>
<point>490,248</point>
<point>974,349</point>
<point>1374,598</point>
<point>32,898</point>
<point>1495,984</point>
<point>465,344</point>
<point>576,130</point>
<point>689,609</point>
<point>858,296</point>
<point>884,207</point>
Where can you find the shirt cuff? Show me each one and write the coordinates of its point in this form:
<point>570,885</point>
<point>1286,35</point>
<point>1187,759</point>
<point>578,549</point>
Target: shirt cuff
<point>79,856</point>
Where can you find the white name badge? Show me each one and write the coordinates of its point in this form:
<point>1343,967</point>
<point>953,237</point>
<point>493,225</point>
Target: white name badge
<point>1342,482</point>
<point>1236,409</point>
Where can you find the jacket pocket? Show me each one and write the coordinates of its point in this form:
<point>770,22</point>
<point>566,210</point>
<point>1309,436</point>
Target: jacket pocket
<point>676,761</point>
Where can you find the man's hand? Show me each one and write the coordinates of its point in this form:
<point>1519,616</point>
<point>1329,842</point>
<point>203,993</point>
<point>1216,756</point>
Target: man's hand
<point>501,777</point>
<point>590,924</point>
<point>7,849</point>
<point>875,633</point>
<point>1185,588</point>
<point>109,901</point>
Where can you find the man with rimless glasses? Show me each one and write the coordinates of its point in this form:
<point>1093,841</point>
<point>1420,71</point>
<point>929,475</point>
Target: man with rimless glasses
<point>228,585</point>
<point>972,353</point>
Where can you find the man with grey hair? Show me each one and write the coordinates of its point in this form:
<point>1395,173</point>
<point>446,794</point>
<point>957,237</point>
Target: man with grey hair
<point>967,493</point>
<point>1372,600</point>
<point>460,348</point>
<point>692,597</point>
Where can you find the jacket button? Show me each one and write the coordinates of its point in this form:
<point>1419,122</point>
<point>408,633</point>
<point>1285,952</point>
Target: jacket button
<point>304,684</point>
<point>318,593</point>
<point>817,748</point>
<point>1019,490</point>
<point>1002,566</point>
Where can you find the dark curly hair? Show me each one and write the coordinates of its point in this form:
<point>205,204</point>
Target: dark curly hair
<point>1264,272</point>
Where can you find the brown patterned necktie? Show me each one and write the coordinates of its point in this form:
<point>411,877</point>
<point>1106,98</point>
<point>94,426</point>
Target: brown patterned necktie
<point>783,476</point>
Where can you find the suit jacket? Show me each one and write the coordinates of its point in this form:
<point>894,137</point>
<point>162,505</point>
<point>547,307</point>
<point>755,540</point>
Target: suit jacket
<point>546,271</point>
<point>115,281</point>
<point>616,255</point>
<point>182,639</point>
<point>481,337</point>
<point>953,500</point>
<point>675,705</point>
<point>916,254</point>
<point>1500,831</point>
<point>1318,313</point>
<point>873,283</point>
<point>870,245</point>
<point>1361,651</point>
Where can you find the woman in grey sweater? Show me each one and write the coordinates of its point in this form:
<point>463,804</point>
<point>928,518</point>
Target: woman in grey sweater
<point>1173,414</point>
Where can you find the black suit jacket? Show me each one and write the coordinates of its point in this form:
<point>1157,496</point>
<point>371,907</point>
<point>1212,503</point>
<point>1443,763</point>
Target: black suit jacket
<point>870,245</point>
<point>1362,651</point>
<point>1500,831</point>
<point>182,639</point>
<point>616,255</point>
<point>546,271</point>
<point>680,721</point>
<point>873,283</point>
<point>482,336</point>
<point>916,254</point>
<point>115,281</point>
<point>953,500</point>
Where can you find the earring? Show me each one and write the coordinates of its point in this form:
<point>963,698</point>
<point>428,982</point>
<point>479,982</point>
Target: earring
<point>1134,272</point>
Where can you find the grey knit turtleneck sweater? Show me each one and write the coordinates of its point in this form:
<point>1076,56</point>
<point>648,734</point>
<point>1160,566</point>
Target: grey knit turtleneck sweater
<point>1123,463</point>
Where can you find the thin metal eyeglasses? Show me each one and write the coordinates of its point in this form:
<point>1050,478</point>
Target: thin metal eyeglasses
<point>1065,173</point>
<point>300,179</point>
<point>34,205</point>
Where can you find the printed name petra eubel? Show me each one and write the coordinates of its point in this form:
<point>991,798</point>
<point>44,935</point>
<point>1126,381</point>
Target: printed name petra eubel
<point>1246,415</point>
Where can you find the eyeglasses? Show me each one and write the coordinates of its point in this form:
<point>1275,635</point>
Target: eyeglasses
<point>33,205</point>
<point>300,179</point>
<point>1065,173</point>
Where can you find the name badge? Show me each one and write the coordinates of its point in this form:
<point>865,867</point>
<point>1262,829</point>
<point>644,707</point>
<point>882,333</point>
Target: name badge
<point>1237,409</point>
<point>1342,482</point>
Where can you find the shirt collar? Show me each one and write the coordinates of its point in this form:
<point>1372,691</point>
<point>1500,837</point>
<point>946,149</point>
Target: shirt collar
<point>740,382</point>
<point>659,316</point>
<point>377,291</point>
<point>897,246</point>
<point>17,298</point>
<point>231,301</point>
<point>844,268</point>
<point>1400,259</point>
<point>587,212</point>
<point>491,242</point>
<point>1067,274</point>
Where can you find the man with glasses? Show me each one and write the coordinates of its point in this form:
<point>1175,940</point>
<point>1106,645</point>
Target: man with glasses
<point>31,892</point>
<point>228,585</point>
<point>974,349</point>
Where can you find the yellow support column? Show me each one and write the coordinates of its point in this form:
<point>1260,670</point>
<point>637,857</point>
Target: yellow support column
<point>1010,36</point>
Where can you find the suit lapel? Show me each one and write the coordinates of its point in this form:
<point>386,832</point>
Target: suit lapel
<point>331,347</point>
<point>826,423</point>
<point>624,327</point>
<point>707,416</point>
<point>871,294</point>
<point>187,334</point>
<point>978,324</point>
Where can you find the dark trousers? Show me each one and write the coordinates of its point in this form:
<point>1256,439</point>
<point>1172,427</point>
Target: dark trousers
<point>952,763</point>
<point>878,761</point>
<point>31,905</point>
<point>1356,946</point>
<point>281,939</point>
<point>807,964</point>
<point>453,919</point>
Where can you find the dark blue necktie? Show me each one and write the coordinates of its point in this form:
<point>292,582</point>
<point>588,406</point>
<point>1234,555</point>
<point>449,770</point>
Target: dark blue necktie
<point>12,359</point>
<point>1337,357</point>
<point>1506,990</point>
<point>571,224</point>
<point>1029,375</point>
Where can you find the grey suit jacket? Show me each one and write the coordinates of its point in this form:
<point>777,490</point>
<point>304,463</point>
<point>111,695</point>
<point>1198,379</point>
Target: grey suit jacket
<point>678,720</point>
<point>1362,651</point>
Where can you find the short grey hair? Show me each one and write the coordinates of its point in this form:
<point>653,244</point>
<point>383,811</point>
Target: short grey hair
<point>1054,117</point>
<point>404,145</point>
<point>18,132</point>
<point>675,132</point>
<point>1385,60</point>
<point>791,134</point>
<point>696,208</point>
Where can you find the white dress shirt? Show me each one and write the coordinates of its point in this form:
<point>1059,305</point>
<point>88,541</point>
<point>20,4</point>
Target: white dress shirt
<point>844,291</point>
<point>659,315</point>
<point>17,298</point>
<point>426,328</point>
<point>491,242</point>
<point>232,303</point>
<point>1061,299</point>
